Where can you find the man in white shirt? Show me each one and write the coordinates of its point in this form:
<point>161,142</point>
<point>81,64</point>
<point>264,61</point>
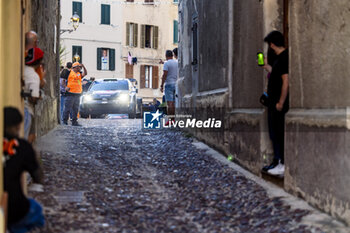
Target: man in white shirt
<point>32,88</point>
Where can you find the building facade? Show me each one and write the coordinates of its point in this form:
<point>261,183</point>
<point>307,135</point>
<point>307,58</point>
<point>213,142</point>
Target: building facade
<point>149,29</point>
<point>98,38</point>
<point>219,41</point>
<point>125,39</point>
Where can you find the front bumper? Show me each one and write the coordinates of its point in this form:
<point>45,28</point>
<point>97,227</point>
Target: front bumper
<point>104,107</point>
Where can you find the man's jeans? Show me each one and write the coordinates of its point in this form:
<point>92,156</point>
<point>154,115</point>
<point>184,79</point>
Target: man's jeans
<point>276,131</point>
<point>62,105</point>
<point>32,220</point>
<point>71,105</point>
<point>27,122</point>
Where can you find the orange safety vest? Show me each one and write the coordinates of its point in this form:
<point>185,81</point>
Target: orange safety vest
<point>74,83</point>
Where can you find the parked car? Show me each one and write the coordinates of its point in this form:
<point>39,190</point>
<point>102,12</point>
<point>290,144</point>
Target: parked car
<point>110,96</point>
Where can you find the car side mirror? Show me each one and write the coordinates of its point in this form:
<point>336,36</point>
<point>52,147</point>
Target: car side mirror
<point>137,90</point>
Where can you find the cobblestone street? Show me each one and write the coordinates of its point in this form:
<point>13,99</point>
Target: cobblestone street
<point>112,176</point>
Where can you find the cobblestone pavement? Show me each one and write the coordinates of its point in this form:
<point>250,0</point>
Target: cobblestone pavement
<point>112,176</point>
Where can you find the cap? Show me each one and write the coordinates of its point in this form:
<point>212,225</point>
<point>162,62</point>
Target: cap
<point>75,64</point>
<point>34,54</point>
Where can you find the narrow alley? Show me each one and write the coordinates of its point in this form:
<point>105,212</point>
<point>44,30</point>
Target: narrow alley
<point>114,176</point>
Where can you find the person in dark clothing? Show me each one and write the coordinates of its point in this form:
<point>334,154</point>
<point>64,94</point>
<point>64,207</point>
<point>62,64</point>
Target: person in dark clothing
<point>154,105</point>
<point>23,214</point>
<point>277,90</point>
<point>64,73</point>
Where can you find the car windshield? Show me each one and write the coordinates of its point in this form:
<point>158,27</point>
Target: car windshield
<point>110,86</point>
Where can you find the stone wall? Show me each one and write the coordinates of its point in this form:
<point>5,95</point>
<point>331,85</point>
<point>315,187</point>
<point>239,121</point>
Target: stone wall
<point>44,21</point>
<point>317,138</point>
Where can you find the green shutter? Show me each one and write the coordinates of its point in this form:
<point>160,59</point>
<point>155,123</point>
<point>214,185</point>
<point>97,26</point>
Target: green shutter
<point>105,14</point>
<point>78,8</point>
<point>143,36</point>
<point>111,59</point>
<point>99,55</point>
<point>176,31</point>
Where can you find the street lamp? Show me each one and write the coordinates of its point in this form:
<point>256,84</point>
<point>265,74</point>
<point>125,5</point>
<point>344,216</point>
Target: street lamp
<point>76,57</point>
<point>73,20</point>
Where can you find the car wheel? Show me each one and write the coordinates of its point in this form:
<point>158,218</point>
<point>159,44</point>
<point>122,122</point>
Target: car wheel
<point>132,113</point>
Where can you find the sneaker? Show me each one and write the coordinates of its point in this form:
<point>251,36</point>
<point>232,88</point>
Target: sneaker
<point>278,170</point>
<point>76,124</point>
<point>271,166</point>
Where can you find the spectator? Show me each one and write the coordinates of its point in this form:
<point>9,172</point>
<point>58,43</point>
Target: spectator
<point>74,90</point>
<point>31,41</point>
<point>87,85</point>
<point>175,53</point>
<point>169,81</point>
<point>65,72</point>
<point>23,214</point>
<point>154,105</point>
<point>32,87</point>
<point>277,91</point>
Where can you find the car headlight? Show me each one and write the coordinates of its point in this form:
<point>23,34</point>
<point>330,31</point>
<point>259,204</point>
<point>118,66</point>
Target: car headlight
<point>123,98</point>
<point>88,98</point>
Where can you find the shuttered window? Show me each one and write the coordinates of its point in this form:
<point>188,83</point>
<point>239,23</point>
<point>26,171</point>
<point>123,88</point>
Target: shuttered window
<point>78,8</point>
<point>176,31</point>
<point>105,14</point>
<point>105,59</point>
<point>77,50</point>
<point>149,36</point>
<point>129,71</point>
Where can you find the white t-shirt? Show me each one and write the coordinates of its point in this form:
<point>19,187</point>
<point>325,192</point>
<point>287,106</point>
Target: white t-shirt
<point>31,83</point>
<point>171,66</point>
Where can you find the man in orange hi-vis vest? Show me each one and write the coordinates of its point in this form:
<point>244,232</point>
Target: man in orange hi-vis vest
<point>74,89</point>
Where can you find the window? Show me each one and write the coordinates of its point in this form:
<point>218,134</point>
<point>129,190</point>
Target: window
<point>149,77</point>
<point>151,1</point>
<point>130,0</point>
<point>78,8</point>
<point>129,71</point>
<point>77,50</point>
<point>176,31</point>
<point>149,36</point>
<point>176,1</point>
<point>105,14</point>
<point>105,59</point>
<point>131,34</point>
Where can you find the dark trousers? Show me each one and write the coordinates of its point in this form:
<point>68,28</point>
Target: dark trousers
<point>276,131</point>
<point>71,106</point>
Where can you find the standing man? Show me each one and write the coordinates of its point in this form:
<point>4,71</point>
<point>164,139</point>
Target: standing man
<point>73,89</point>
<point>278,96</point>
<point>32,87</point>
<point>64,73</point>
<point>169,81</point>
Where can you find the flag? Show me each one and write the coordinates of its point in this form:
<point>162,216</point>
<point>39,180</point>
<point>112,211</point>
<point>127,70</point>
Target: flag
<point>129,58</point>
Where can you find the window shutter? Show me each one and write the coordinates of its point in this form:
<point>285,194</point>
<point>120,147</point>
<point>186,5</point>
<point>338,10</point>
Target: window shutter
<point>111,59</point>
<point>135,34</point>
<point>129,71</point>
<point>143,36</point>
<point>105,14</point>
<point>155,37</point>
<point>155,77</point>
<point>99,54</point>
<point>78,8</point>
<point>143,77</point>
<point>127,42</point>
<point>176,32</point>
